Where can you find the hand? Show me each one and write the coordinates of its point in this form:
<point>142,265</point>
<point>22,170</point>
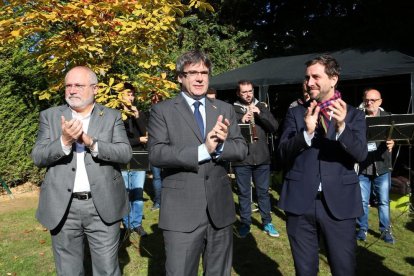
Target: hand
<point>135,110</point>
<point>86,139</point>
<point>254,109</point>
<point>311,117</point>
<point>71,130</point>
<point>338,109</point>
<point>143,139</point>
<point>246,117</point>
<point>390,144</point>
<point>218,134</point>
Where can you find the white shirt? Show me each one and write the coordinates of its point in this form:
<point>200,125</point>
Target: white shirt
<point>81,177</point>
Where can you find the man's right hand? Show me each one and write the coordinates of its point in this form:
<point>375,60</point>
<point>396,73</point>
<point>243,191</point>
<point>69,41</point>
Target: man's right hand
<point>311,117</point>
<point>71,131</point>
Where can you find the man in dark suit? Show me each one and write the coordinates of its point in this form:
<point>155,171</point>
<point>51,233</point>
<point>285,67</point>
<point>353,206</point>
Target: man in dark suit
<point>320,144</point>
<point>191,138</point>
<point>81,144</point>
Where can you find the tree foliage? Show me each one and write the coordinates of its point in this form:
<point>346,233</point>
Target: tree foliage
<point>281,27</point>
<point>227,47</point>
<point>99,34</point>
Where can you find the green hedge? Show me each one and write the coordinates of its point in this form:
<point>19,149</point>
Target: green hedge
<point>19,113</point>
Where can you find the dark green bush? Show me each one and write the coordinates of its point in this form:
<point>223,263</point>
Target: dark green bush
<point>19,113</point>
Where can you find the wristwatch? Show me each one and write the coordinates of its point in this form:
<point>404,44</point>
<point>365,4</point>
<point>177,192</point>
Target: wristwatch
<point>92,145</point>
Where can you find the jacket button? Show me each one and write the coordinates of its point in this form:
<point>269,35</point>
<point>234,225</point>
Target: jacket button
<point>207,177</point>
<point>73,169</point>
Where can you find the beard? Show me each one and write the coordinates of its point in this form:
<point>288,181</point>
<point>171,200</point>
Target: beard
<point>77,103</point>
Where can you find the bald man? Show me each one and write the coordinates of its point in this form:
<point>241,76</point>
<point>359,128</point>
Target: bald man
<point>375,173</point>
<point>82,144</point>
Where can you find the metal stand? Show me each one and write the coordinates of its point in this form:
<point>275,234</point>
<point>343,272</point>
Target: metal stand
<point>253,204</point>
<point>6,188</point>
<point>128,230</point>
<point>398,127</point>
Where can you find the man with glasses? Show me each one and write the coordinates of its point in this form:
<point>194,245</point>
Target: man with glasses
<point>320,143</point>
<point>375,172</point>
<point>83,195</point>
<point>256,166</point>
<point>192,138</point>
<point>134,178</point>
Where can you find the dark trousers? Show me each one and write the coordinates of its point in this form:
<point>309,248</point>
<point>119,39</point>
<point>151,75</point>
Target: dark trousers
<point>183,250</point>
<point>260,175</point>
<point>304,232</point>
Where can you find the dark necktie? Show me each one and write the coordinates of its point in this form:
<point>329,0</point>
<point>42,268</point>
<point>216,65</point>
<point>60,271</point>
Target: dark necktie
<point>198,118</point>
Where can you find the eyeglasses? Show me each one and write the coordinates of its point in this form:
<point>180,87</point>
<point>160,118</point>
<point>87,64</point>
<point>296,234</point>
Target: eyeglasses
<point>246,92</point>
<point>371,100</point>
<point>196,73</point>
<point>77,87</point>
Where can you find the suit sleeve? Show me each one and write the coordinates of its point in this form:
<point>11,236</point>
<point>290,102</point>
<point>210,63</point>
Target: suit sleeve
<point>353,138</point>
<point>118,149</point>
<point>266,120</point>
<point>292,140</point>
<point>162,152</point>
<point>235,147</point>
<point>165,154</point>
<point>46,151</point>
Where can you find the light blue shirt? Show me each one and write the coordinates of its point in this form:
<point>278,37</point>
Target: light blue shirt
<point>203,154</point>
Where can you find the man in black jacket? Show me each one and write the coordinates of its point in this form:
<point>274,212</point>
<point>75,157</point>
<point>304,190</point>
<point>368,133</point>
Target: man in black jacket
<point>257,163</point>
<point>135,126</point>
<point>375,172</point>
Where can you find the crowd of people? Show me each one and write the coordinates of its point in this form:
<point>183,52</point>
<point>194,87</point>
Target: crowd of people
<point>329,167</point>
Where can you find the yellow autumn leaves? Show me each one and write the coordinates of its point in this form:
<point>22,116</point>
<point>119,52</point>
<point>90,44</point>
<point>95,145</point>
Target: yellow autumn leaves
<point>107,36</point>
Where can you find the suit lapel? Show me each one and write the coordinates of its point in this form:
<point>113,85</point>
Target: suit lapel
<point>185,111</point>
<point>96,120</point>
<point>212,112</point>
<point>66,112</point>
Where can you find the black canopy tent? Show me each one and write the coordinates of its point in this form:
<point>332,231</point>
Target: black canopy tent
<point>356,64</point>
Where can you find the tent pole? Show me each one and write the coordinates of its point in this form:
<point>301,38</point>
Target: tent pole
<point>412,93</point>
<point>263,92</point>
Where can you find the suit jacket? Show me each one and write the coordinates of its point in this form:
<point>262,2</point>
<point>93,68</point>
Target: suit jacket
<point>105,179</point>
<point>189,188</point>
<point>328,161</point>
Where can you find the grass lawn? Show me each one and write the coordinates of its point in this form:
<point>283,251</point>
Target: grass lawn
<point>25,247</point>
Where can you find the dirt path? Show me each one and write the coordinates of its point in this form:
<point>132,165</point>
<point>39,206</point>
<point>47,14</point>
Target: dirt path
<point>24,197</point>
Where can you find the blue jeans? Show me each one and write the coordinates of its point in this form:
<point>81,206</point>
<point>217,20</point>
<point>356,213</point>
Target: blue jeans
<point>381,185</point>
<point>156,184</point>
<point>134,183</point>
<point>260,174</point>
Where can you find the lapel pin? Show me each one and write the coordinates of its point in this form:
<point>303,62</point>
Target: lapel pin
<point>101,113</point>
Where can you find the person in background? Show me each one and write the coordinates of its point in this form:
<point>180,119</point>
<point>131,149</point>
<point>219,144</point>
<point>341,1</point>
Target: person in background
<point>320,144</point>
<point>211,93</point>
<point>304,99</point>
<point>192,139</point>
<point>134,178</point>
<point>375,172</point>
<point>82,197</point>
<point>257,163</point>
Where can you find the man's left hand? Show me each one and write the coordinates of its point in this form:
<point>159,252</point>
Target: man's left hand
<point>218,134</point>
<point>339,110</point>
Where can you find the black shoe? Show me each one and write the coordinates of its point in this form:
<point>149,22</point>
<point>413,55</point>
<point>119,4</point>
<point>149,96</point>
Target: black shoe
<point>140,231</point>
